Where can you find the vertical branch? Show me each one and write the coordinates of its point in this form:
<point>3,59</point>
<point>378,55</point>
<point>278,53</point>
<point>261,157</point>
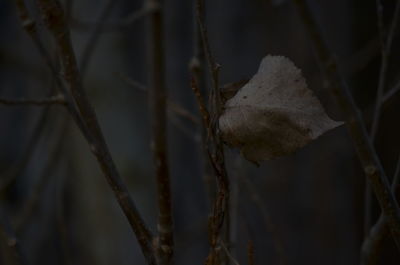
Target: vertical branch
<point>215,146</point>
<point>366,152</point>
<point>372,244</point>
<point>55,22</point>
<point>29,26</point>
<point>386,46</point>
<point>196,67</point>
<point>157,105</point>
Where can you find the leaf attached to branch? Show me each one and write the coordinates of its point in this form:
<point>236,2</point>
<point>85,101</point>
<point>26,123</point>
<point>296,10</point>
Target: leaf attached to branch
<point>274,114</point>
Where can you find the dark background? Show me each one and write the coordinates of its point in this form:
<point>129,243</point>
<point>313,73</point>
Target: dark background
<point>306,208</point>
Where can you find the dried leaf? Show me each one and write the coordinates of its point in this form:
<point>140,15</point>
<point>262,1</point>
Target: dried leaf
<point>274,114</point>
<point>229,90</point>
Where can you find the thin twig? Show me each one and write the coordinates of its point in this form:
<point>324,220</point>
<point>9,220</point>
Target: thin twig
<point>55,100</point>
<point>371,246</point>
<point>361,58</point>
<point>385,55</point>
<point>172,106</point>
<point>197,70</point>
<point>94,36</point>
<point>393,91</point>
<point>174,110</point>
<point>56,24</point>
<point>29,25</point>
<point>158,106</point>
<point>194,136</point>
<point>201,103</point>
<point>366,152</point>
<point>33,199</point>
<point>227,252</point>
<point>214,145</point>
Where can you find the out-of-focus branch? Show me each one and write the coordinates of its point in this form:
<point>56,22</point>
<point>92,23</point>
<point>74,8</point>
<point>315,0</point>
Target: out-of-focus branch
<point>55,100</point>
<point>15,170</point>
<point>228,253</point>
<point>55,22</point>
<point>393,91</point>
<point>94,36</point>
<point>29,25</point>
<point>31,203</point>
<point>386,45</point>
<point>124,23</point>
<point>172,106</point>
<point>360,59</point>
<point>366,152</point>
<point>158,105</point>
<point>175,111</point>
<point>372,244</point>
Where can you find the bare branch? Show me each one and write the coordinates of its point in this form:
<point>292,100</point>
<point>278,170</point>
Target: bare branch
<point>197,70</point>
<point>158,105</point>
<point>55,22</point>
<point>94,36</point>
<point>54,156</point>
<point>366,152</point>
<point>385,55</point>
<point>174,110</point>
<point>234,261</point>
<point>374,237</point>
<point>393,91</point>
<point>55,100</point>
<point>360,59</point>
<point>202,105</point>
<point>122,24</point>
<point>372,244</point>
<point>29,26</point>
<point>172,106</point>
<point>214,145</point>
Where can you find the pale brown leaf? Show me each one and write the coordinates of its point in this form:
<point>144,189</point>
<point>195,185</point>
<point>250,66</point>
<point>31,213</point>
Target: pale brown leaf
<point>274,114</point>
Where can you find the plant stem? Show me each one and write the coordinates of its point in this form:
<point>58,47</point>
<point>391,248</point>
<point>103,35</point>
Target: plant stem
<point>158,109</point>
<point>366,152</point>
<point>55,22</point>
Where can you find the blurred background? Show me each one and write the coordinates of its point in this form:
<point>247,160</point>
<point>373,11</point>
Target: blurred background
<point>307,208</point>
